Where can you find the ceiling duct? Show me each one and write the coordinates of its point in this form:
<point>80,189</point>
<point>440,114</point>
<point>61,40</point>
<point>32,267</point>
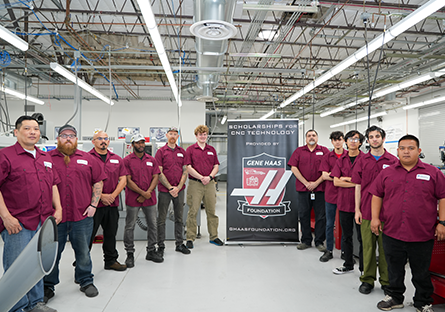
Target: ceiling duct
<point>212,28</point>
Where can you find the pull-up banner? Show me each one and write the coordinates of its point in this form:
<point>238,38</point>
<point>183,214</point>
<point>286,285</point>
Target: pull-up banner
<point>261,203</point>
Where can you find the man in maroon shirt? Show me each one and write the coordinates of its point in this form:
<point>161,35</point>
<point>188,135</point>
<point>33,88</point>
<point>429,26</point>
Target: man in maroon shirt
<point>171,160</point>
<point>365,172</point>
<point>80,189</point>
<point>409,192</point>
<point>142,178</point>
<point>107,214</point>
<point>305,163</point>
<point>22,213</point>
<point>202,166</point>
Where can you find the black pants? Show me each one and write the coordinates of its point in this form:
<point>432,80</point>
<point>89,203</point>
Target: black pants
<point>418,254</point>
<point>347,222</point>
<point>108,218</point>
<point>305,205</point>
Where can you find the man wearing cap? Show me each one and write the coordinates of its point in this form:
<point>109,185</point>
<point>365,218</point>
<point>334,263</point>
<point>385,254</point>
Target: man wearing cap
<point>22,213</point>
<point>80,189</point>
<point>171,160</point>
<point>202,166</point>
<point>142,178</point>
<point>107,214</point>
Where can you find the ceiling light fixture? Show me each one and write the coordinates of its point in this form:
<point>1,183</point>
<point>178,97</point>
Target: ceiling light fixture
<point>223,120</point>
<point>428,102</point>
<point>152,26</point>
<point>71,77</point>
<point>358,120</point>
<point>21,95</point>
<point>13,39</point>
<point>268,114</point>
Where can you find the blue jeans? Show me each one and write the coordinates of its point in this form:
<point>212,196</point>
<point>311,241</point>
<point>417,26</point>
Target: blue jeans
<point>79,233</point>
<point>331,210</point>
<point>13,246</point>
<point>150,213</point>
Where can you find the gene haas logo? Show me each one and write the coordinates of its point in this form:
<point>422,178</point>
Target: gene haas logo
<point>264,181</point>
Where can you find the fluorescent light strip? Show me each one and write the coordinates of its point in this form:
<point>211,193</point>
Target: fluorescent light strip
<point>13,39</point>
<point>428,102</point>
<point>223,120</point>
<point>358,120</point>
<point>71,77</point>
<point>21,95</point>
<point>152,26</point>
<point>268,114</point>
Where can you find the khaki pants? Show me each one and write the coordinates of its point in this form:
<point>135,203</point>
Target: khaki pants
<point>197,192</point>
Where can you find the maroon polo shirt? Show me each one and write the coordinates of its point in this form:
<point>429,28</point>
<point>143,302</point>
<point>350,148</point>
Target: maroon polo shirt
<point>327,164</point>
<point>410,200</point>
<point>309,165</point>
<point>346,195</point>
<point>114,168</point>
<point>26,184</point>
<point>364,173</point>
<point>77,180</point>
<point>202,160</point>
<point>172,162</point>
<point>141,171</point>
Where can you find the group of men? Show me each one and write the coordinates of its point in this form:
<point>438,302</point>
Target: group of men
<point>81,190</point>
<point>393,202</point>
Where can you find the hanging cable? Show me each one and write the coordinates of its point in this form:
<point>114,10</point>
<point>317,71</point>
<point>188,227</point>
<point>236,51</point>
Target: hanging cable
<point>76,98</point>
<point>109,70</point>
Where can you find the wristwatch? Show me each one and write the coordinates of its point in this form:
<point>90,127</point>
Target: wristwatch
<point>442,222</point>
<point>211,178</point>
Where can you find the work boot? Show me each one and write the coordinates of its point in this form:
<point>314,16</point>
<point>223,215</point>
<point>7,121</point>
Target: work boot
<point>154,256</point>
<point>130,260</point>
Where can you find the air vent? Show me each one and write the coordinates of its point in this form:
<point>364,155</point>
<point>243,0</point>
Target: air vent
<point>213,30</point>
<point>206,98</point>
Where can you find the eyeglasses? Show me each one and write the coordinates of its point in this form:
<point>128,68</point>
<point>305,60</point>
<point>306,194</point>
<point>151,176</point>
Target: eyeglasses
<point>66,136</point>
<point>102,139</point>
<point>355,140</point>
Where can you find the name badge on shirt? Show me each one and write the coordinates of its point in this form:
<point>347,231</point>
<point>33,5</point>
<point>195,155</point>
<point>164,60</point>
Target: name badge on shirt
<point>319,153</point>
<point>423,177</point>
<point>48,164</point>
<point>180,155</point>
<point>82,161</point>
<point>149,163</point>
<point>114,161</point>
<point>209,153</point>
<point>385,166</point>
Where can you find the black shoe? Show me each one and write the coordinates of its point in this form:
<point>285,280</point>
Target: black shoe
<point>116,266</point>
<point>217,242</point>
<point>326,256</point>
<point>189,244</point>
<point>154,256</point>
<point>74,263</point>
<point>129,262</point>
<point>183,249</point>
<point>365,288</point>
<point>160,251</point>
<point>89,290</point>
<point>388,304</point>
<point>48,294</point>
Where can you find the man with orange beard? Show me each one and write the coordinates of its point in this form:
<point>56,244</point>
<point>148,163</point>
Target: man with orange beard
<point>80,190</point>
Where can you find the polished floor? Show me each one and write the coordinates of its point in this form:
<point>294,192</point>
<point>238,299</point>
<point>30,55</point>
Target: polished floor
<point>229,278</point>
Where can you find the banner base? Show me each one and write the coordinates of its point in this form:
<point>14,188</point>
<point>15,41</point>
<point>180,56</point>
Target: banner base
<point>259,243</point>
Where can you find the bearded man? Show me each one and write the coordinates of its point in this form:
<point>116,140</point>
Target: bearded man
<point>80,190</point>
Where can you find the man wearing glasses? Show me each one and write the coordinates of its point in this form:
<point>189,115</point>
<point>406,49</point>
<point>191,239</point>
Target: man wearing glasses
<point>107,214</point>
<point>80,189</point>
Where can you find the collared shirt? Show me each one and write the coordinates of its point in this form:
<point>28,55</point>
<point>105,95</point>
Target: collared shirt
<point>364,173</point>
<point>172,162</point>
<point>410,200</point>
<point>308,163</point>
<point>26,184</point>
<point>346,195</point>
<point>327,164</point>
<point>141,171</point>
<point>202,160</point>
<point>77,179</point>
<point>114,168</point>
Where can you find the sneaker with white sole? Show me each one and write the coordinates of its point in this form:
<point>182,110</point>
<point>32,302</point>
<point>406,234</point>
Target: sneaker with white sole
<point>342,270</point>
<point>388,303</point>
<point>425,308</point>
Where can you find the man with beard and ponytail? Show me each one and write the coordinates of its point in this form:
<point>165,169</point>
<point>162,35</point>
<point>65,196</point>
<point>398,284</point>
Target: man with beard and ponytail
<point>80,189</point>
<point>305,165</point>
<point>107,214</point>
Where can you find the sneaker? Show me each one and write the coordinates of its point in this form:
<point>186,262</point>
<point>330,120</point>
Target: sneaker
<point>189,244</point>
<point>183,249</point>
<point>342,270</point>
<point>217,242</point>
<point>303,246</point>
<point>326,256</point>
<point>160,251</point>
<point>48,293</point>
<point>152,255</point>
<point>425,308</point>
<point>129,262</point>
<point>42,307</point>
<point>116,266</point>
<point>343,257</point>
<point>321,248</point>
<point>89,290</point>
<point>387,304</point>
<point>365,288</point>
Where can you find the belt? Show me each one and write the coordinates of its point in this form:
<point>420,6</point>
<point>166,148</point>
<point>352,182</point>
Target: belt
<point>194,179</point>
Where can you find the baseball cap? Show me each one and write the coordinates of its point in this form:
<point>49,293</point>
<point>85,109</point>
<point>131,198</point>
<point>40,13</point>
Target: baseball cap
<point>67,127</point>
<point>137,137</point>
<point>173,129</point>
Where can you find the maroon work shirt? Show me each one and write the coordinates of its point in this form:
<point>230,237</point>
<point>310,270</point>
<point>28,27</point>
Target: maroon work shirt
<point>172,162</point>
<point>26,184</point>
<point>202,160</point>
<point>327,164</point>
<point>308,163</point>
<point>114,168</point>
<point>77,180</point>
<point>346,195</point>
<point>410,200</point>
<point>364,173</point>
<point>141,172</point>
